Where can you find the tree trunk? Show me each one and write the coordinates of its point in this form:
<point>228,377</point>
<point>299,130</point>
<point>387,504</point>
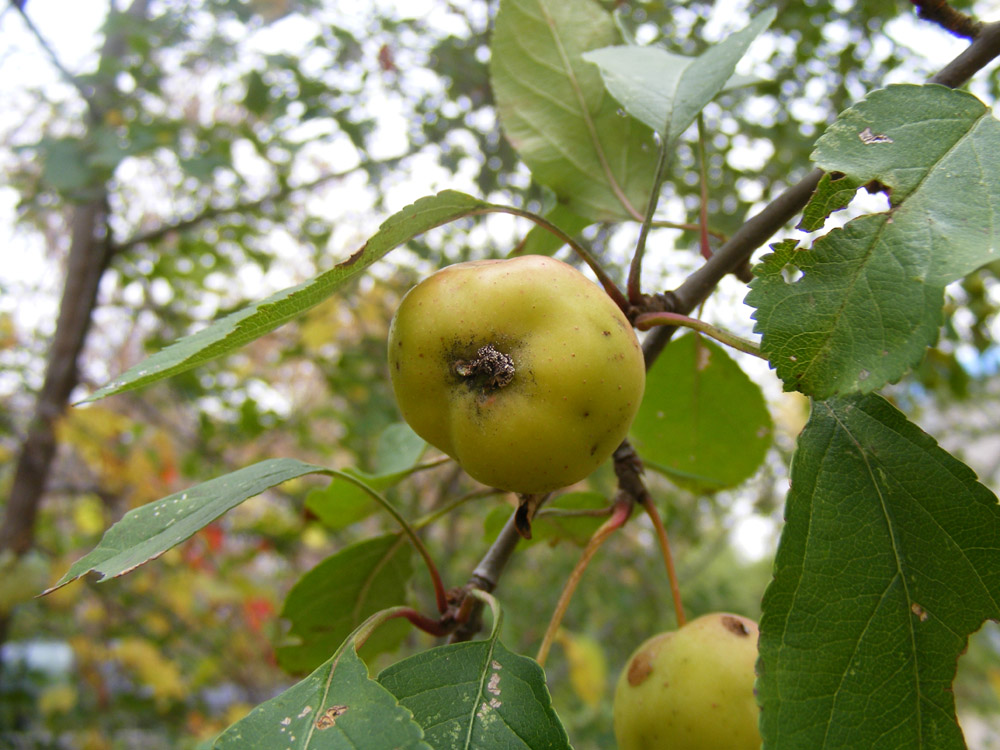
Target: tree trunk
<point>91,248</point>
<point>88,257</point>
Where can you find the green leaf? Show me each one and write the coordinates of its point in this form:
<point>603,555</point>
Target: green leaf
<point>888,561</point>
<point>832,194</point>
<point>241,327</point>
<point>337,707</point>
<point>540,241</point>
<point>556,113</point>
<point>336,596</point>
<point>257,99</point>
<point>702,421</point>
<point>869,300</point>
<point>147,532</point>
<point>477,695</point>
<point>551,527</point>
<point>398,449</point>
<point>66,165</point>
<point>342,502</point>
<point>667,91</point>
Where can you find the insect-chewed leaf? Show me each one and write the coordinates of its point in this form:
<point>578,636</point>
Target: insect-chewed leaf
<point>868,299</point>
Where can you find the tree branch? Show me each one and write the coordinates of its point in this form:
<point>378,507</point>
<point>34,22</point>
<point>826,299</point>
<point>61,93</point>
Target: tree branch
<point>90,252</point>
<point>66,74</point>
<point>215,212</point>
<point>88,258</point>
<point>976,56</point>
<point>758,229</point>
<point>941,13</point>
<point>735,252</point>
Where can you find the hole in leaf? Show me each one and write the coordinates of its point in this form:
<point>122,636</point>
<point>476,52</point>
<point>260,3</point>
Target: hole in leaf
<point>791,274</point>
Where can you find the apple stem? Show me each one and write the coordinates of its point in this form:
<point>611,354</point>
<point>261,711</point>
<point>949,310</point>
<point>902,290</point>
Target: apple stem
<point>645,321</point>
<point>619,515</point>
<point>668,558</point>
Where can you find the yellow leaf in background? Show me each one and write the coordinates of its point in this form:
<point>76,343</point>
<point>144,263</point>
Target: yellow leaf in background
<point>144,660</point>
<point>127,457</point>
<point>994,678</point>
<point>791,414</point>
<point>235,712</point>
<point>57,699</point>
<point>320,328</point>
<point>21,578</point>
<point>178,593</point>
<point>8,332</point>
<point>88,515</point>
<point>315,538</point>
<point>65,597</point>
<point>93,433</point>
<point>94,739</point>
<point>588,669</point>
<point>92,612</point>
<point>157,624</point>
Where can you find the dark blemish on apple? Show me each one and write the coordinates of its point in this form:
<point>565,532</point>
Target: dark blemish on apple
<point>640,668</point>
<point>606,333</point>
<point>734,625</point>
<point>593,449</point>
<point>490,370</point>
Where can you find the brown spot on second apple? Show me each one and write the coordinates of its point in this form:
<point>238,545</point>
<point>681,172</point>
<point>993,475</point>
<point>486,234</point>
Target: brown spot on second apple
<point>640,668</point>
<point>735,625</point>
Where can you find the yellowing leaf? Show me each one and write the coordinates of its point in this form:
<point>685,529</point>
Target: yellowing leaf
<point>21,578</point>
<point>320,327</point>
<point>588,669</point>
<point>88,515</point>
<point>994,678</point>
<point>144,660</point>
<point>57,699</point>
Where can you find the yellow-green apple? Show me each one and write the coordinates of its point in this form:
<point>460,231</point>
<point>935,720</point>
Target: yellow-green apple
<point>522,370</point>
<point>691,689</point>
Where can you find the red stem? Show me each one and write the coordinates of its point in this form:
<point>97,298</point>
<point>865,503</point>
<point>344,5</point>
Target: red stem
<point>668,558</point>
<point>619,515</point>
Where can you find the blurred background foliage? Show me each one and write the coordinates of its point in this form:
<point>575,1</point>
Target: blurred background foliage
<point>241,146</point>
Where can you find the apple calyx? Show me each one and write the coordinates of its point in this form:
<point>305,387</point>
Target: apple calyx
<point>490,371</point>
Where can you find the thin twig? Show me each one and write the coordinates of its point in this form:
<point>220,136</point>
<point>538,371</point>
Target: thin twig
<point>649,320</point>
<point>706,250</point>
<point>668,558</point>
<point>215,212</point>
<point>635,269</point>
<point>976,56</point>
<point>620,514</point>
<point>85,93</point>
